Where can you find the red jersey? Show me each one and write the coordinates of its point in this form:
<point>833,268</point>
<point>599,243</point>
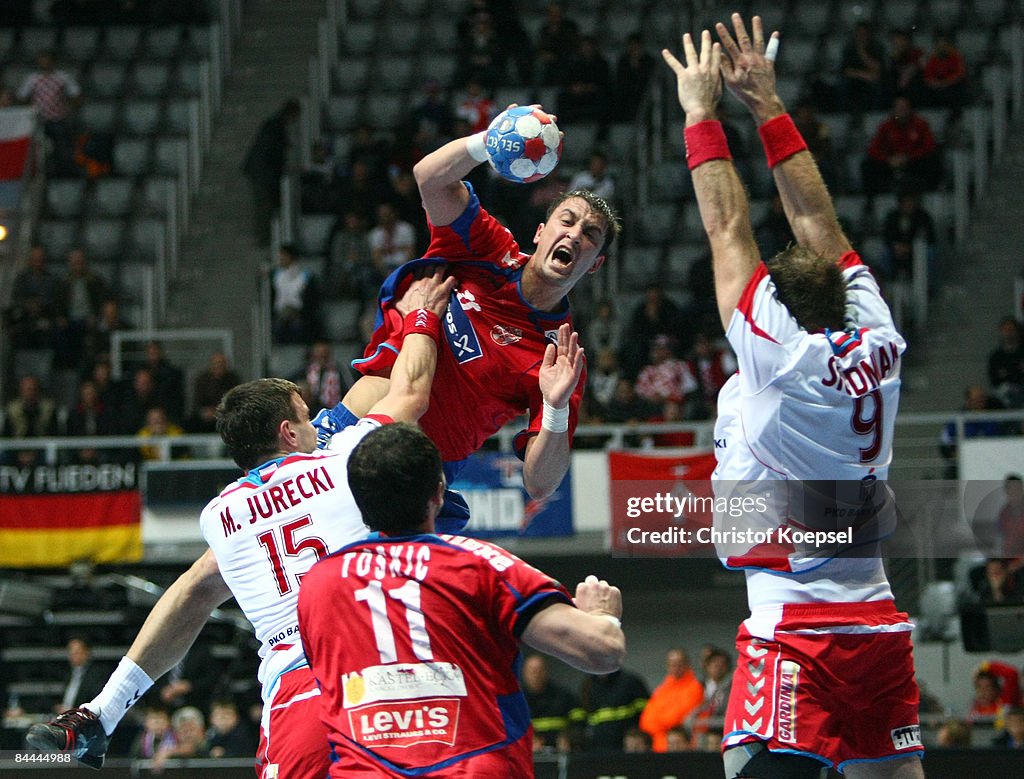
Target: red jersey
<point>414,643</point>
<point>496,340</point>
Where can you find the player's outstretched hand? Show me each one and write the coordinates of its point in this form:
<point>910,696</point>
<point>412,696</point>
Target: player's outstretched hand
<point>431,290</point>
<point>748,70</point>
<point>561,368</point>
<point>597,596</point>
<point>699,82</point>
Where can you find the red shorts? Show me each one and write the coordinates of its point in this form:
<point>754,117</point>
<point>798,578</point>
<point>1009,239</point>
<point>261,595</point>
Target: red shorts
<point>836,683</point>
<point>512,762</point>
<point>293,739</point>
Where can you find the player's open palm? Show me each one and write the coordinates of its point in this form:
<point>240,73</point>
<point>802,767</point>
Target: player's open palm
<point>748,70</point>
<point>561,368</point>
<point>699,81</point>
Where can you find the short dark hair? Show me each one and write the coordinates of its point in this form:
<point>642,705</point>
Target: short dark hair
<point>249,415</point>
<point>811,287</point>
<point>598,205</point>
<point>393,474</point>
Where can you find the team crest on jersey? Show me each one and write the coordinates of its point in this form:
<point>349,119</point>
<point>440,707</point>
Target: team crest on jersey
<point>506,336</point>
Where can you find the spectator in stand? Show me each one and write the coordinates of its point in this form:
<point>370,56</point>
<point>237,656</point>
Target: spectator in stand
<point>996,688</point>
<point>295,300</point>
<point>101,375</point>
<point>30,415</point>
<point>33,310</point>
<point>80,296</point>
<point>189,736</point>
<point>655,315</point>
<point>998,583</point>
<point>975,399</point>
<point>1006,364</point>
<point>319,186</point>
<point>392,241</point>
<point>430,120</point>
<point>156,736</point>
<point>265,163</point>
<point>602,384</point>
<point>553,709</point>
<point>350,271</point>
<point>586,85</point>
<point>904,72</point>
<point>228,735</point>
<point>818,138</point>
<point>603,331</point>
<point>862,70</point>
<point>596,177</point>
<point>679,739</point>
<point>1011,518</point>
<point>372,148</point>
<point>157,425</point>
<point>717,667</point>
<point>612,703</point>
<point>711,367</point>
<point>902,154</point>
<point>773,233</point>
<point>626,407</point>
<point>632,71</point>
<point>557,39</point>
<point>409,207</point>
<point>954,734</point>
<point>89,417</point>
<point>636,742</point>
<point>482,54</point>
<point>477,108</point>
<point>673,700</point>
<point>210,386</point>
<point>945,74</point>
<point>362,189</point>
<point>84,679</point>
<point>134,400</point>
<point>97,342</point>
<point>323,377</point>
<point>1013,735</point>
<point>904,225</point>
<point>56,96</point>
<point>169,380</point>
<point>666,377</point>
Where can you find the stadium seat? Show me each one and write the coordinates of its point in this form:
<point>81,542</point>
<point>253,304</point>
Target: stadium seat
<point>975,44</point>
<point>682,256</point>
<point>99,116</point>
<point>112,197</point>
<point>8,44</point>
<point>162,43</point>
<point>658,222</point>
<point>990,12</point>
<point>640,264</point>
<point>667,182</point>
<point>622,142</point>
<point>899,14</point>
<point>131,156</point>
<point>141,117</point>
<point>944,14</point>
<point>693,227</point>
<point>812,17</point>
<point>938,613</point>
<point>106,80</point>
<point>103,238</point>
<point>838,129</point>
<point>358,38</point>
<point>620,24</point>
<point>799,56</point>
<point>340,318</point>
<point>384,109</point>
<point>401,36</point>
<point>342,113</point>
<point>146,238</point>
<point>58,236</point>
<point>80,43</point>
<point>393,73</point>
<point>37,39</point>
<point>440,35</point>
<point>187,79</point>
<point>365,9</point>
<point>177,117</point>
<point>150,79</point>
<point>410,8</point>
<point>199,41</point>
<point>789,88</point>
<point>582,139</point>
<point>157,195</point>
<point>171,156</point>
<point>121,43</point>
<point>314,230</point>
<point>64,197</point>
<point>351,74</point>
<point>440,67</point>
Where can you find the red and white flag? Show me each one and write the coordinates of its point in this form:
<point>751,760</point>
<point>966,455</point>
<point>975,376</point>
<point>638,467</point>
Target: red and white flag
<point>16,126</point>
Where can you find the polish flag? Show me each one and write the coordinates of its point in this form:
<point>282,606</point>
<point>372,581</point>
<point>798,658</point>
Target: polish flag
<point>16,125</point>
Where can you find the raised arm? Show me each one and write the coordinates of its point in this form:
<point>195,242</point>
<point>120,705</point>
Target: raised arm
<point>588,636</point>
<point>547,453</point>
<point>439,176</point>
<point>413,373</point>
<point>720,195</point>
<point>750,77</point>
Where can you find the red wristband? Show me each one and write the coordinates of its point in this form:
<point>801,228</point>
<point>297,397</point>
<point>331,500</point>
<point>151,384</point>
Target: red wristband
<point>423,321</point>
<point>705,141</point>
<point>781,139</point>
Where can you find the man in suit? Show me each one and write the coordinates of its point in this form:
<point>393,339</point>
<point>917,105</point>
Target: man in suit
<point>85,679</point>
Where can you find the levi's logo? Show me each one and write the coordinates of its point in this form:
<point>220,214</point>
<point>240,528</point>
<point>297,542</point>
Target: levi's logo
<point>406,723</point>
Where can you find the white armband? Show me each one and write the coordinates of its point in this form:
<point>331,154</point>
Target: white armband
<point>475,146</point>
<point>556,420</point>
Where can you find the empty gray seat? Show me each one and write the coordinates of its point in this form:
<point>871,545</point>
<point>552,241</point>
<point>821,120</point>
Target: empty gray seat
<point>80,43</point>
<point>103,238</point>
<point>64,197</point>
<point>99,116</point>
<point>157,195</point>
<point>171,156</point>
<point>401,36</point>
<point>364,9</point>
<point>187,78</point>
<point>177,117</point>
<point>800,55</point>
<point>58,236</point>
<point>151,79</point>
<point>440,35</point>
<point>945,14</point>
<point>437,66</point>
<point>141,117</point>
<point>7,43</point>
<point>385,109</point>
<point>113,196</point>
<point>106,80</point>
<point>358,38</point>
<point>410,7</point>
<point>314,230</point>
<point>975,45</point>
<point>37,39</point>
<point>199,41</point>
<point>899,13</point>
<point>342,113</point>
<point>658,223</point>
<point>990,12</point>
<point>121,43</point>
<point>394,73</point>
<point>351,73</point>
<point>146,238</point>
<point>131,156</point>
<point>162,43</point>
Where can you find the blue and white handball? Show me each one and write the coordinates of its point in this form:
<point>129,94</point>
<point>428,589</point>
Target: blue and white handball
<point>523,144</point>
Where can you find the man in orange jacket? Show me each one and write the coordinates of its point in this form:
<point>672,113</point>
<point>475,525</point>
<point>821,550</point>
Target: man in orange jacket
<point>673,700</point>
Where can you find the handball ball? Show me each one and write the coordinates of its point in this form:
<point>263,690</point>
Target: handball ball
<point>523,144</point>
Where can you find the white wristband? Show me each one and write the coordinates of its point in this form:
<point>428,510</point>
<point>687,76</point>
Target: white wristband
<point>556,420</point>
<point>475,146</point>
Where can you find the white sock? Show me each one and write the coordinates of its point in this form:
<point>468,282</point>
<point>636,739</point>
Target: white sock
<point>125,686</point>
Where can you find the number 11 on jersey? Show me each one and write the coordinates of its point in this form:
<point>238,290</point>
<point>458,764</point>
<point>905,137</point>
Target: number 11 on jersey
<point>373,594</point>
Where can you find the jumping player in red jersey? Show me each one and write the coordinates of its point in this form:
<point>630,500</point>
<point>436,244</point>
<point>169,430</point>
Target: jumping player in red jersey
<point>825,676</point>
<point>502,324</point>
<point>265,531</point>
<point>414,637</point>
